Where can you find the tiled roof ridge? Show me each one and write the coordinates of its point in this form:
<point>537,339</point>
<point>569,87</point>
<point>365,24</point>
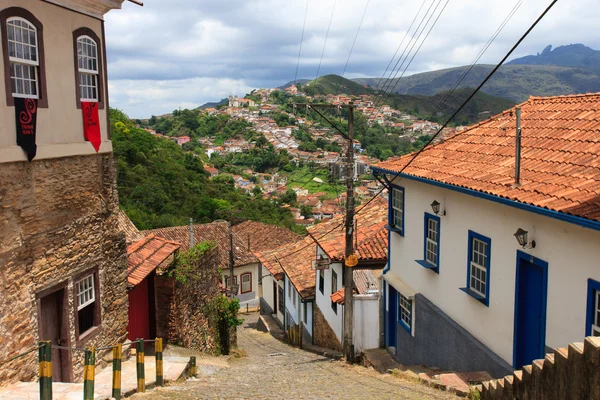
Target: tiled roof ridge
<point>562,96</point>
<point>135,246</point>
<point>147,240</point>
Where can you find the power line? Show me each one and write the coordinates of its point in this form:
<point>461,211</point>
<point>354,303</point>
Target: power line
<point>301,40</point>
<point>326,36</point>
<point>487,78</point>
<point>355,37</point>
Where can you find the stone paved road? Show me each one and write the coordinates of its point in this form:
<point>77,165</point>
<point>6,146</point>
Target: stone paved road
<point>296,374</point>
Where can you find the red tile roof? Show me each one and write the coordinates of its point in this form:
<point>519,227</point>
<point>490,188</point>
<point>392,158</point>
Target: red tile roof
<point>371,233</point>
<point>147,254</point>
<point>364,280</point>
<point>560,165</point>
<point>338,297</point>
<point>295,260</point>
<point>217,232</point>
<point>260,236</point>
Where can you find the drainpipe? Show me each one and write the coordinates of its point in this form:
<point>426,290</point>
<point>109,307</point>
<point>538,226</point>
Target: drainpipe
<point>518,149</point>
<point>191,233</point>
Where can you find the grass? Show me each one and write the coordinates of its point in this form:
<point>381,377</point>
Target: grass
<point>303,178</point>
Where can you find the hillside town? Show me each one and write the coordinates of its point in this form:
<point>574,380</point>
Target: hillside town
<point>262,249</point>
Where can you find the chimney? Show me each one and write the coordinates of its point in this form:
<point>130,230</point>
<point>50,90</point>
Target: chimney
<point>191,233</point>
<point>518,149</point>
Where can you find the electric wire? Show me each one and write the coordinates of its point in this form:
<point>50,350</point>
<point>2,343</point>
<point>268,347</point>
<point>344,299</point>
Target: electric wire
<point>487,78</point>
<point>301,40</point>
<point>326,36</point>
<point>356,37</point>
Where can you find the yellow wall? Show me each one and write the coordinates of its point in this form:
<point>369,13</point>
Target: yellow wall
<point>60,126</point>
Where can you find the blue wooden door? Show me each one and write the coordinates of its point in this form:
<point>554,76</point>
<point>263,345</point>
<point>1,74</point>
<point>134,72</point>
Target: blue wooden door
<point>530,313</point>
<point>392,312</point>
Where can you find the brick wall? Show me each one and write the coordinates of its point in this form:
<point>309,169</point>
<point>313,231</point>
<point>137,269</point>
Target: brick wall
<point>58,219</point>
<point>568,373</point>
<point>324,335</point>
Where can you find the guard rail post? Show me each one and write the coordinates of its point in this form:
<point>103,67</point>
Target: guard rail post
<point>89,374</point>
<point>158,349</point>
<point>116,375</point>
<point>139,356</point>
<point>45,370</point>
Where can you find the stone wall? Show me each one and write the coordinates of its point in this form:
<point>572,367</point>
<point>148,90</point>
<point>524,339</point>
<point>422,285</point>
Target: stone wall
<point>58,219</point>
<point>568,373</point>
<point>324,335</point>
<point>189,320</point>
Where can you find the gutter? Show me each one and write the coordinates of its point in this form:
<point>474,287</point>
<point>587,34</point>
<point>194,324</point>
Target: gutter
<point>583,222</point>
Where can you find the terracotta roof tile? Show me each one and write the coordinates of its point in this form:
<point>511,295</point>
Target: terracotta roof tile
<point>295,260</point>
<point>217,232</point>
<point>560,165</point>
<point>370,234</point>
<point>260,236</point>
<point>147,254</point>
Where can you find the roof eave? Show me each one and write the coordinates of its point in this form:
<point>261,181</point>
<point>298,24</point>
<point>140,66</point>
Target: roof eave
<point>583,222</point>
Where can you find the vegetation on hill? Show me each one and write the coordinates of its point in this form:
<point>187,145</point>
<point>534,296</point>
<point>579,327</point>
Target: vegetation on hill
<point>162,185</point>
<point>334,84</point>
<point>514,82</point>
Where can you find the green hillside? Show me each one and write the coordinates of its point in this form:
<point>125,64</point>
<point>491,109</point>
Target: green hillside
<point>334,84</point>
<point>514,82</point>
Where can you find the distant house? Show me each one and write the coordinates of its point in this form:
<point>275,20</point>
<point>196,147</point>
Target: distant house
<point>371,250</point>
<point>489,270</point>
<point>183,139</point>
<point>212,171</point>
<point>235,102</point>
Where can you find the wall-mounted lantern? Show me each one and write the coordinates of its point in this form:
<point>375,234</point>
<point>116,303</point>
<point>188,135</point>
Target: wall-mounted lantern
<point>435,206</point>
<point>521,236</point>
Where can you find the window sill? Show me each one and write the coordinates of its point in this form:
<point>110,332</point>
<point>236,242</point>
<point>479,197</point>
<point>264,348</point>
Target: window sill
<point>429,266</point>
<point>88,335</point>
<point>404,326</point>
<point>474,295</point>
<point>394,229</point>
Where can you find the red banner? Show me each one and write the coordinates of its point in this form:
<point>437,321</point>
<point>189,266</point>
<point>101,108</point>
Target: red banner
<point>91,124</point>
<point>26,119</point>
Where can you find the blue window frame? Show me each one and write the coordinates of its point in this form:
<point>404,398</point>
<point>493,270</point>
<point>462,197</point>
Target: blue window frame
<point>592,325</point>
<point>405,312</point>
<point>478,267</point>
<point>396,209</point>
<point>431,245</point>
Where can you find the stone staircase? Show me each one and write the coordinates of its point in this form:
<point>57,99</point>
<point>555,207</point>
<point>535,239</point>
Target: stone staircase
<point>569,373</point>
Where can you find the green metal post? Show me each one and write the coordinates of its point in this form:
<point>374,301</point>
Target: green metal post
<point>45,370</point>
<point>116,377</point>
<point>158,350</point>
<point>193,366</point>
<point>89,373</point>
<point>139,356</point>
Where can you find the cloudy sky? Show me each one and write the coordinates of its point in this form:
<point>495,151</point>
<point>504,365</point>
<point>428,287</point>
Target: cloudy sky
<point>183,53</point>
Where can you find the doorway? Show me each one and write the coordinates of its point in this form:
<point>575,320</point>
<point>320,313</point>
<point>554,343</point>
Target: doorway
<point>275,297</point>
<point>53,327</point>
<point>530,309</point>
<point>392,312</point>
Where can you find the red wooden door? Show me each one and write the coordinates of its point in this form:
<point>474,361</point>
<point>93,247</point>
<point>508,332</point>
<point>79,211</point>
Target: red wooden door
<point>139,315</point>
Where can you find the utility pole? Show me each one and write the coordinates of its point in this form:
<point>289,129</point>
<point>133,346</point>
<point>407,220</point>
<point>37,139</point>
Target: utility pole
<point>348,277</point>
<point>231,281</point>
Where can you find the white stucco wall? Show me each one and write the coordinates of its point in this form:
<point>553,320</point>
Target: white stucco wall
<point>297,312</point>
<point>366,322</point>
<point>324,300</point>
<point>252,297</point>
<point>60,126</point>
<point>571,251</point>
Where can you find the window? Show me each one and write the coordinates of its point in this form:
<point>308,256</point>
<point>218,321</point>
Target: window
<point>87,304</point>
<point>593,309</point>
<point>333,289</point>
<point>246,282</point>
<point>228,282</point>
<point>431,246</point>
<point>88,67</point>
<point>23,53</point>
<point>294,299</point>
<point>280,300</point>
<point>322,281</point>
<point>397,210</point>
<point>404,311</point>
<point>289,289</point>
<point>478,267</point>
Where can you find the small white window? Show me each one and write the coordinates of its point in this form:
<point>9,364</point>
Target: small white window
<point>294,299</point>
<point>479,264</point>
<point>432,242</point>
<point>87,62</point>
<point>23,58</point>
<point>398,208</point>
<point>85,292</point>
<point>596,325</point>
<point>404,310</point>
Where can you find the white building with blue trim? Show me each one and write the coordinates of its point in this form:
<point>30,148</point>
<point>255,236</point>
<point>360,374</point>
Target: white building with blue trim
<point>493,240</point>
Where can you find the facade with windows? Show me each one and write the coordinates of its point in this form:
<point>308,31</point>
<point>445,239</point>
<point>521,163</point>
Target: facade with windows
<point>63,260</point>
<point>461,292</point>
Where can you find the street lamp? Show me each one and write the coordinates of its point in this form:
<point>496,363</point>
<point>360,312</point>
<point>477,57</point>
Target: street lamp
<point>521,236</point>
<point>435,206</point>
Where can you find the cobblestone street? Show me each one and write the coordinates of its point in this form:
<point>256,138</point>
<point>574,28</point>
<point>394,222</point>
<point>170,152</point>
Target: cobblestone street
<point>274,370</point>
